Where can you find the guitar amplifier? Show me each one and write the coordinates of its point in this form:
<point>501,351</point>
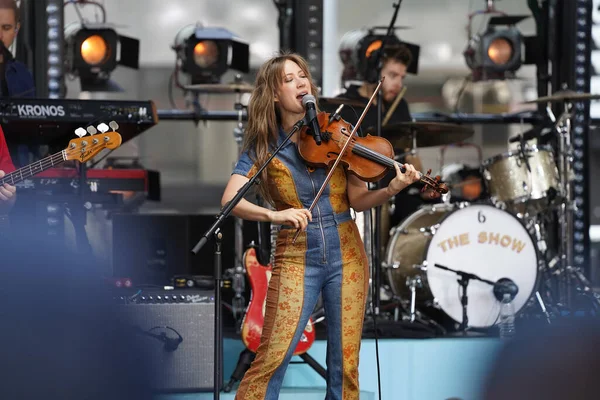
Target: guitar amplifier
<point>176,334</point>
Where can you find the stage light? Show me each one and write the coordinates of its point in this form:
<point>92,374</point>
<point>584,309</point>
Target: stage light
<point>205,54</point>
<point>357,50</point>
<point>94,51</point>
<point>497,53</point>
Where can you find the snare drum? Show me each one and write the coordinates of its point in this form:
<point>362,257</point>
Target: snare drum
<point>524,181</point>
<point>479,239</point>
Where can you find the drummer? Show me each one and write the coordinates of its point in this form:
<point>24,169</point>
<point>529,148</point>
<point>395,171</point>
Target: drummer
<point>396,60</point>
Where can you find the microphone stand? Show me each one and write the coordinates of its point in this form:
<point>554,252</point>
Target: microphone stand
<point>375,234</point>
<point>463,281</point>
<point>215,231</point>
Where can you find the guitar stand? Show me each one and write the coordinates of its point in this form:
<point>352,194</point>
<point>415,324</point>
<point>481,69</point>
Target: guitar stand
<point>246,358</point>
<point>307,359</point>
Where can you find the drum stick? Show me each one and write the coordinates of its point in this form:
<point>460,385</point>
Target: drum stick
<point>388,115</point>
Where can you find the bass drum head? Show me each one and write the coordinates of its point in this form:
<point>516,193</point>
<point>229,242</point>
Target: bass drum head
<point>407,247</point>
<point>490,243</point>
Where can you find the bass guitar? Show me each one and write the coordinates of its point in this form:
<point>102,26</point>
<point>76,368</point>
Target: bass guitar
<point>81,149</point>
<point>253,322</point>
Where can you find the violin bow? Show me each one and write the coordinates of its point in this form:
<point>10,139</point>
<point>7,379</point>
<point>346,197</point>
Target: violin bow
<point>339,157</point>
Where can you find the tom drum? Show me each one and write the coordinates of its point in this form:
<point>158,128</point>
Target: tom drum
<point>526,181</point>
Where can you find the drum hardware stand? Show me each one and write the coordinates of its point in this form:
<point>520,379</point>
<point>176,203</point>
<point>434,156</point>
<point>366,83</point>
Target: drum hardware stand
<point>538,297</point>
<point>567,272</point>
<point>413,284</point>
<point>536,228</point>
<point>368,243</point>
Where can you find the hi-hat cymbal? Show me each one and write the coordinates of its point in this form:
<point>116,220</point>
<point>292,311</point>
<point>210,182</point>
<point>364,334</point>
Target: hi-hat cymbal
<point>328,102</point>
<point>428,134</point>
<point>564,95</point>
<point>241,87</point>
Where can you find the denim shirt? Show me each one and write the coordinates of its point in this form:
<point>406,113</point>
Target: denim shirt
<point>294,184</point>
<point>18,80</point>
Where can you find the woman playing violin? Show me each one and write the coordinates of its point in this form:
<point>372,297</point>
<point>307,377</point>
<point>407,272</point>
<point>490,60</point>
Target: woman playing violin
<point>328,256</point>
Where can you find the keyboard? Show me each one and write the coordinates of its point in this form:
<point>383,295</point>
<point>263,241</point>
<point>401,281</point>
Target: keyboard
<point>53,121</point>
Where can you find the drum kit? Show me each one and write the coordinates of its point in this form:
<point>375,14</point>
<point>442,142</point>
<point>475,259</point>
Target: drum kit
<point>495,233</point>
<point>498,241</point>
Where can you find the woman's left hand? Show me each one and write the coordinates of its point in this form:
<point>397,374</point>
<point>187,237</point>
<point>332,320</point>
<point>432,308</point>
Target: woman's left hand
<point>402,180</point>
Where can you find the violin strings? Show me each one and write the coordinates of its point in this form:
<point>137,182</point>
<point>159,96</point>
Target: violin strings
<point>373,155</point>
<point>370,154</point>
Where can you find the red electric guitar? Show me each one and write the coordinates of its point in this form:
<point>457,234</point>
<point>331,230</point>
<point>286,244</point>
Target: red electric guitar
<point>254,319</point>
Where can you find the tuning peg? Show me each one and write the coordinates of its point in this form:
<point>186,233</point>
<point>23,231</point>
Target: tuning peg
<point>103,127</point>
<point>113,125</point>
<point>91,130</point>
<point>80,132</point>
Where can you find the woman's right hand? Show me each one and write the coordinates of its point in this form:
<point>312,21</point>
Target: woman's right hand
<point>297,217</point>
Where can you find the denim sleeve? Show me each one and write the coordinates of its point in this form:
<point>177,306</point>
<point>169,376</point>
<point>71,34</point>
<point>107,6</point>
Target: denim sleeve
<point>245,166</point>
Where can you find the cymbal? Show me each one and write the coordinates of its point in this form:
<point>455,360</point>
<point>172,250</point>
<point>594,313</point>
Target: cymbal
<point>428,134</point>
<point>241,87</point>
<point>326,102</point>
<point>564,95</point>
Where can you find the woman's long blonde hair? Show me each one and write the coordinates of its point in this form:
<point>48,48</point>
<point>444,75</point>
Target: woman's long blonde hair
<point>262,129</point>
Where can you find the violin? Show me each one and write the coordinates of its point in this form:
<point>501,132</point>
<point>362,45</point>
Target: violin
<point>369,158</point>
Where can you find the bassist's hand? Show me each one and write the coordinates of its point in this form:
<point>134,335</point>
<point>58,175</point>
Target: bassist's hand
<point>7,192</point>
<point>7,195</point>
<point>430,194</point>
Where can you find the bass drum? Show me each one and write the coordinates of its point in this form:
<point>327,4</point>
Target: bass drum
<point>479,239</point>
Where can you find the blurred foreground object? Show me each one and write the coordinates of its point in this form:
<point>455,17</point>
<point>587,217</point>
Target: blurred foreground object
<point>556,362</point>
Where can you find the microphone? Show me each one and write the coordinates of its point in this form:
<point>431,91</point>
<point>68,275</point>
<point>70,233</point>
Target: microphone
<point>503,286</point>
<point>171,344</point>
<point>243,364</point>
<point>336,115</point>
<point>309,103</point>
<point>533,133</point>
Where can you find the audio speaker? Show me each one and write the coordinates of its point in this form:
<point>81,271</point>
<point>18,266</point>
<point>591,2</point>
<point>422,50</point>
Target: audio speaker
<point>152,248</point>
<point>175,330</point>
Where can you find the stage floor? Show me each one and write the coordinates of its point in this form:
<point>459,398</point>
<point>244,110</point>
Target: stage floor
<point>411,369</point>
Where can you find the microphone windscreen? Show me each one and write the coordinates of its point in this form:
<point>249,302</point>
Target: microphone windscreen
<point>308,98</point>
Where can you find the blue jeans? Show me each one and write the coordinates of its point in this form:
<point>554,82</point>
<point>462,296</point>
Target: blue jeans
<point>329,259</point>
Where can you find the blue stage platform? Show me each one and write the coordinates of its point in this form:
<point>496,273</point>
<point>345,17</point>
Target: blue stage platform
<point>411,369</point>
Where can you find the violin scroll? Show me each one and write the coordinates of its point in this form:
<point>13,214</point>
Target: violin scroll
<point>434,183</point>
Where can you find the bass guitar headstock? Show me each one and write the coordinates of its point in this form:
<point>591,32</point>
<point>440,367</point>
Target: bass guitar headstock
<point>86,147</point>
